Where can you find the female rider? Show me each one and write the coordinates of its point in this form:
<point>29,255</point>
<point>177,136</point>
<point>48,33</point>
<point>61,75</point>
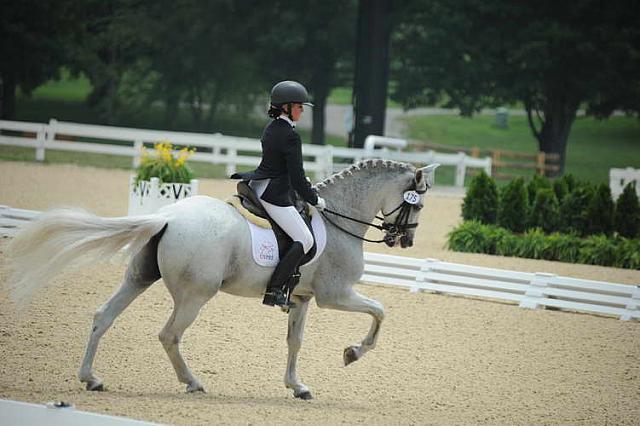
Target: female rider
<point>279,173</point>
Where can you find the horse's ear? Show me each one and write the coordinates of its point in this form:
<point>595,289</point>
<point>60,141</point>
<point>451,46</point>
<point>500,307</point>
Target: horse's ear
<point>425,176</point>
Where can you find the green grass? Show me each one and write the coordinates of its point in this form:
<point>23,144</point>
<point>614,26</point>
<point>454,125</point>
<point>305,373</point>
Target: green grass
<point>594,146</point>
<point>65,89</point>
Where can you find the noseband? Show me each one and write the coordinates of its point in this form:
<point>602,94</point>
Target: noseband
<point>393,230</point>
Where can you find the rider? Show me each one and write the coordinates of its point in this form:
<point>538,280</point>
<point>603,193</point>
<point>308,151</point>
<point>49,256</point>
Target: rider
<point>279,173</point>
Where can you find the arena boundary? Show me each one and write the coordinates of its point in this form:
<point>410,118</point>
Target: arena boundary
<point>58,413</point>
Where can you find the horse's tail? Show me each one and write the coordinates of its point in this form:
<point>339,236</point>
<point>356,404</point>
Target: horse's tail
<point>70,237</point>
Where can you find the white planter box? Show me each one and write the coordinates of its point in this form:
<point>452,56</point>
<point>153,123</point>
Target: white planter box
<point>148,196</point>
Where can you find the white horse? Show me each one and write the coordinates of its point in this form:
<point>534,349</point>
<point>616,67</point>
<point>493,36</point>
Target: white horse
<point>201,245</point>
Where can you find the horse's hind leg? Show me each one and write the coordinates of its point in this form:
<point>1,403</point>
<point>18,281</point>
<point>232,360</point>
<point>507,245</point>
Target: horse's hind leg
<point>102,321</point>
<point>350,300</point>
<point>141,273</point>
<point>187,305</point>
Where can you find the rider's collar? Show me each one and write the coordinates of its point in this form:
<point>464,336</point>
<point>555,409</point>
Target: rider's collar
<point>288,120</point>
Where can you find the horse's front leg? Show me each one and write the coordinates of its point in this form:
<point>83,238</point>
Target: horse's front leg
<point>350,300</point>
<point>297,318</point>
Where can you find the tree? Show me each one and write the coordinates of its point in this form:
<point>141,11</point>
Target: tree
<point>554,57</point>
<point>291,47</point>
<point>34,36</point>
<point>201,56</point>
<point>599,213</point>
<point>513,208</point>
<point>481,200</point>
<point>626,218</point>
<point>109,47</point>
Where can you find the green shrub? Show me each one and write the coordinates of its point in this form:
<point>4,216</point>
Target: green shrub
<point>507,244</point>
<point>474,237</point>
<point>562,247</point>
<point>573,210</point>
<point>627,213</point>
<point>599,213</point>
<point>560,188</point>
<point>532,244</point>
<point>513,207</point>
<point>545,212</point>
<point>535,184</point>
<point>570,181</point>
<point>470,237</point>
<point>481,201</point>
<point>627,254</point>
<point>597,250</point>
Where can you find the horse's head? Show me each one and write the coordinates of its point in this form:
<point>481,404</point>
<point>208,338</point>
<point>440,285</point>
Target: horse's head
<point>402,210</point>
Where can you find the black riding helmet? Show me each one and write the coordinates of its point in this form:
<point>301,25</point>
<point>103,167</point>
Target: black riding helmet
<point>289,92</point>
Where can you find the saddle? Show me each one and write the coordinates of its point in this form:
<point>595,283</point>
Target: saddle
<point>249,200</point>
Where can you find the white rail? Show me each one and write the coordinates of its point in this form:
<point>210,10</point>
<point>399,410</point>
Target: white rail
<point>219,149</point>
<point>529,290</point>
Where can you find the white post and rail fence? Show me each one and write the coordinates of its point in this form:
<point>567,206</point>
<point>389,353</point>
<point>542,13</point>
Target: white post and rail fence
<point>231,151</point>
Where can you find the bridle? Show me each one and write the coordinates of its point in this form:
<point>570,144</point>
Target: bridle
<point>398,228</point>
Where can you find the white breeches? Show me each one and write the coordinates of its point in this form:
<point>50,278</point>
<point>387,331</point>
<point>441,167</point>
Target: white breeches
<point>286,217</point>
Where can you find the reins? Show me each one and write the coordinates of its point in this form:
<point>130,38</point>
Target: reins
<point>398,228</point>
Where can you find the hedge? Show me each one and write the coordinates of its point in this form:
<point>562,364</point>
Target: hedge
<point>475,237</point>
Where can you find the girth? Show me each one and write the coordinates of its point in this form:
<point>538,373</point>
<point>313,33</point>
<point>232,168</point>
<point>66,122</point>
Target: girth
<point>251,202</point>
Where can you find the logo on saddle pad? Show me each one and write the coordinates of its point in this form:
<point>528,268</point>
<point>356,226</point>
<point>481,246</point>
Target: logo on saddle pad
<point>267,252</point>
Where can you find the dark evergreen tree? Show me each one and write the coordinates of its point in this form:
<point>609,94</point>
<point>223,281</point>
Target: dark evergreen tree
<point>481,200</point>
<point>627,213</point>
<point>536,183</point>
<point>599,215</point>
<point>513,209</point>
<point>573,210</point>
<point>545,211</point>
<point>560,188</point>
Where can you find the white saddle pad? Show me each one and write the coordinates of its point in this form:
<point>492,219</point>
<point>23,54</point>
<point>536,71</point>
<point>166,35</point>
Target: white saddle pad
<point>265,246</point>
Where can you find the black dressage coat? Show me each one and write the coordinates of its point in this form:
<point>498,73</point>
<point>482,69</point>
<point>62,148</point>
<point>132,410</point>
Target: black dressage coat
<point>282,163</point>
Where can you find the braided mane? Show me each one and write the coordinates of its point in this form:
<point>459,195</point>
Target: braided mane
<point>369,164</point>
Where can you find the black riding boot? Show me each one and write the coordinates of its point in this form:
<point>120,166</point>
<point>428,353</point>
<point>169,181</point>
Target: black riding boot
<point>276,294</point>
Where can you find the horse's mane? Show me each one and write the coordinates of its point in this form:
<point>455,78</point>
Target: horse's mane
<point>369,164</point>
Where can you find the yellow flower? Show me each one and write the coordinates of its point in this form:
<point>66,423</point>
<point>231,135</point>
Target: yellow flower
<point>183,155</point>
<point>165,163</point>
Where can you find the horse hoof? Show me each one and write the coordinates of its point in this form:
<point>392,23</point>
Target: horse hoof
<point>195,388</point>
<point>350,355</point>
<point>306,395</point>
<point>95,386</point>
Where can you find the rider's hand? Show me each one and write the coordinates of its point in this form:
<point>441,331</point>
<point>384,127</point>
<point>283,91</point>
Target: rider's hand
<point>321,205</point>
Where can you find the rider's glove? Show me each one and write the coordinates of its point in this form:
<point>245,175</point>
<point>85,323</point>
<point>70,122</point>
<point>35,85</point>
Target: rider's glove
<point>321,205</point>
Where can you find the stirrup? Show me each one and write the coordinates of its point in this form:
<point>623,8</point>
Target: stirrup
<point>278,298</point>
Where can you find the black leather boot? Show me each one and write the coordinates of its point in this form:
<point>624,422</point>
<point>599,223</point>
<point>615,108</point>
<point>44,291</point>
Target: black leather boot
<point>276,294</point>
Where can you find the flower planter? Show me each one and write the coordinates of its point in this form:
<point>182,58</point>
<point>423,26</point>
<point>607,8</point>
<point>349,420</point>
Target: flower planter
<point>148,196</point>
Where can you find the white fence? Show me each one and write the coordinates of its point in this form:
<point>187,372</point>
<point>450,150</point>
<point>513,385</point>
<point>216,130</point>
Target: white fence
<point>529,290</point>
<point>228,150</point>
<point>619,178</point>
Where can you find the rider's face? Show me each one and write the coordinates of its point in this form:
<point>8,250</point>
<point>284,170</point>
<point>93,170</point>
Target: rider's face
<point>296,111</point>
